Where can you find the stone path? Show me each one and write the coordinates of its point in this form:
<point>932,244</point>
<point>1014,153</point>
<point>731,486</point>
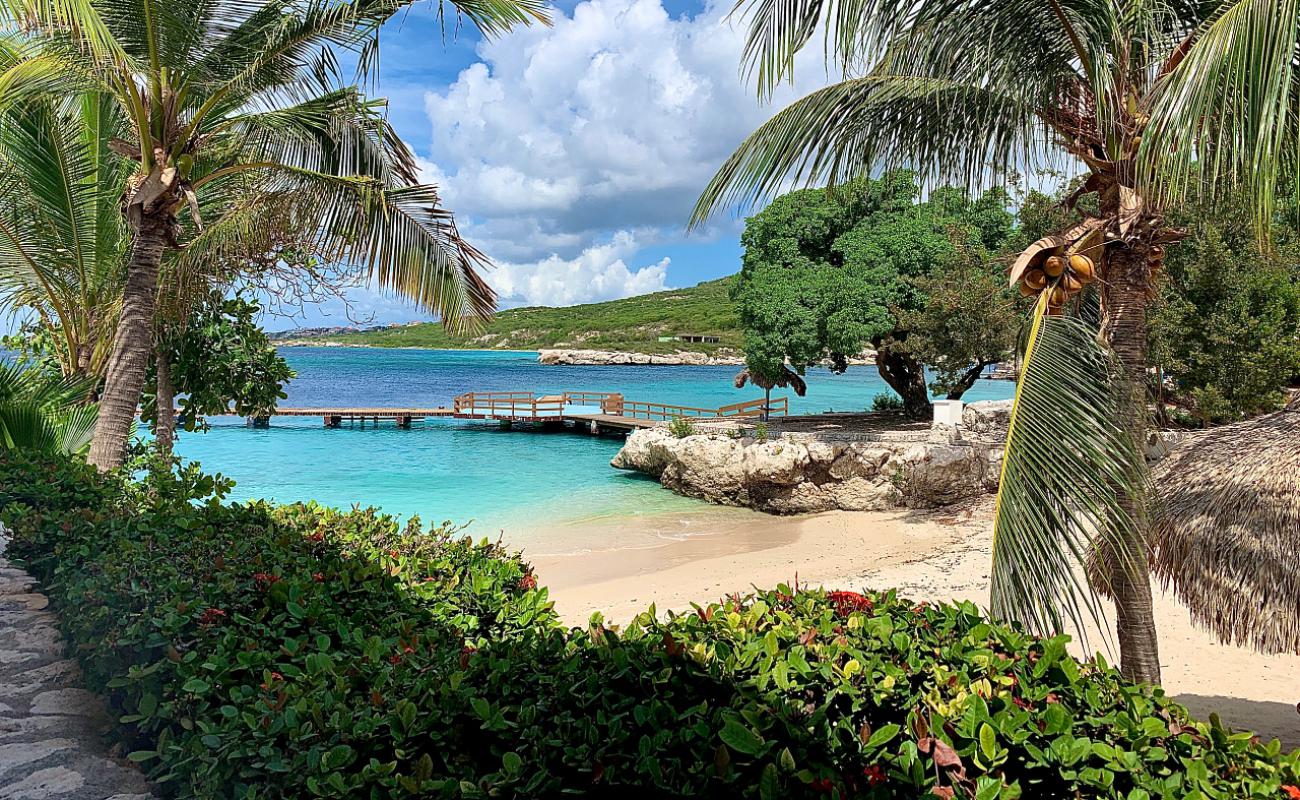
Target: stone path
<point>51,730</point>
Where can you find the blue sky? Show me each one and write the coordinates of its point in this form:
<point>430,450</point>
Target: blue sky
<point>572,154</point>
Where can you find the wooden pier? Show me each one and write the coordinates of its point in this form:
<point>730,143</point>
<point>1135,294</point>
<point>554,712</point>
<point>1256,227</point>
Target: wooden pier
<point>596,412</point>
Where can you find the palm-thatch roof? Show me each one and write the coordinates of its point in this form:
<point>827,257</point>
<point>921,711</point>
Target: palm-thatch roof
<point>788,378</point>
<point>1227,532</point>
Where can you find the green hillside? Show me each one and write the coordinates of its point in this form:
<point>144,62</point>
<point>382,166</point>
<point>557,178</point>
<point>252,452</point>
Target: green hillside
<point>633,324</point>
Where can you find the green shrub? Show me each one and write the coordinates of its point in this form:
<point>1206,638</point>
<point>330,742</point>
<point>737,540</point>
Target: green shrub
<point>256,651</point>
<point>681,427</point>
<point>886,401</point>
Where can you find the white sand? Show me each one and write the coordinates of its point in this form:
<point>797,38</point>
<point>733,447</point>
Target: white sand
<point>937,556</point>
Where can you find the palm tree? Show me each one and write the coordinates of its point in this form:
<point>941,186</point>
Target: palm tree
<point>43,413</point>
<point>62,237</point>
<point>1156,101</point>
<point>216,94</point>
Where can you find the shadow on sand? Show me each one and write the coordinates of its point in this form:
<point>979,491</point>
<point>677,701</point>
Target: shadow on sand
<point>1269,719</point>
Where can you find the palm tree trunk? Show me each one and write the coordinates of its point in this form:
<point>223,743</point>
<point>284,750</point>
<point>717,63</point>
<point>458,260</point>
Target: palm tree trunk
<point>164,430</point>
<point>132,345</point>
<point>906,376</point>
<point>767,403</point>
<point>1125,327</point>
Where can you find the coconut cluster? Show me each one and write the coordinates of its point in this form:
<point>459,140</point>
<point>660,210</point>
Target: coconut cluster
<point>1061,274</point>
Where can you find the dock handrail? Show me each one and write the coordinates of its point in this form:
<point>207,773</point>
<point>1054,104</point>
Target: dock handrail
<point>526,405</point>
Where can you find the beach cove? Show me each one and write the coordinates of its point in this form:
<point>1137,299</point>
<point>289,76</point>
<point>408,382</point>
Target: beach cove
<point>500,483</point>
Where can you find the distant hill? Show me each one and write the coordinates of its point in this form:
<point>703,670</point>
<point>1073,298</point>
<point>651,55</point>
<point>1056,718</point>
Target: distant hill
<point>633,324</point>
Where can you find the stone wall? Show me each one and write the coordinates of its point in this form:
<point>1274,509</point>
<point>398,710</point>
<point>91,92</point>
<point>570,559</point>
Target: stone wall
<point>795,473</point>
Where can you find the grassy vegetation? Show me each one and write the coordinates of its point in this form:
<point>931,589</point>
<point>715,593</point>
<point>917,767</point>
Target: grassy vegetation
<point>633,324</point>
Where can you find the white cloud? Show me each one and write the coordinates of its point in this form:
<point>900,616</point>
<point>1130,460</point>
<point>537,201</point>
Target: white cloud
<point>613,119</point>
<point>599,272</point>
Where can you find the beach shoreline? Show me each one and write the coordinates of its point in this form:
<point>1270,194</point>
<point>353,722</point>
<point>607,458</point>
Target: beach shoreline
<point>934,556</point>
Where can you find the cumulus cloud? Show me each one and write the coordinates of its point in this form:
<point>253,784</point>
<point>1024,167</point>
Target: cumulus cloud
<point>613,119</point>
<point>599,272</point>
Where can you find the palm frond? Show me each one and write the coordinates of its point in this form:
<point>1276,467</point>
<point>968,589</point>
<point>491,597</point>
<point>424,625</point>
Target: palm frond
<point>1227,118</point>
<point>42,413</point>
<point>943,129</point>
<point>401,238</point>
<point>1068,463</point>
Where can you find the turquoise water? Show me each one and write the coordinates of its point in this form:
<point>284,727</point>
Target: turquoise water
<point>473,472</point>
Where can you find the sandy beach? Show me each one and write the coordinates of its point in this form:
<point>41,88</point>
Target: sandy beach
<point>931,556</point>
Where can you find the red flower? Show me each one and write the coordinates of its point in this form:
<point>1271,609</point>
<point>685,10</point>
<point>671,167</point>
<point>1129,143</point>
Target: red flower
<point>875,774</point>
<point>211,616</point>
<point>394,554</point>
<point>264,580</point>
<point>1291,792</point>
<point>823,785</point>
<point>465,653</point>
<point>395,659</point>
<point>1023,703</point>
<point>528,582</point>
<point>319,577</point>
<point>316,537</point>
<point>847,602</point>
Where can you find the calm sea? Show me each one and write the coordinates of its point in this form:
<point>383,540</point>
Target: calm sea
<point>466,472</point>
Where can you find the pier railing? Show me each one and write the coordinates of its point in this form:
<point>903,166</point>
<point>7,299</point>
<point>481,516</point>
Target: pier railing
<point>526,405</point>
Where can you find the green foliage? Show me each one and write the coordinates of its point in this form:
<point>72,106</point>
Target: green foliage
<point>1070,463</point>
<point>886,401</point>
<point>222,363</point>
<point>1225,329</point>
<point>967,320</point>
<point>633,324</point>
<point>681,427</point>
<point>43,412</point>
<point>828,272</point>
<point>256,651</point>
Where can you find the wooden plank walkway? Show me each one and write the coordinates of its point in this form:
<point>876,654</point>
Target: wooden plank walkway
<point>595,411</point>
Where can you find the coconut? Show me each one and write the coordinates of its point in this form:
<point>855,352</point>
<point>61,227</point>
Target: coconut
<point>1058,296</point>
<point>1054,266</point>
<point>1035,279</point>
<point>1027,291</point>
<point>1083,268</point>
<point>1071,282</point>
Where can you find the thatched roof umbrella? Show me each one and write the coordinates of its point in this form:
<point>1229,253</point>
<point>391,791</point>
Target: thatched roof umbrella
<point>1227,532</point>
<point>787,378</point>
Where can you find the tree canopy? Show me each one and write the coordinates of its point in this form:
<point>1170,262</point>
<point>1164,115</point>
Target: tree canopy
<point>829,272</point>
<point>221,362</point>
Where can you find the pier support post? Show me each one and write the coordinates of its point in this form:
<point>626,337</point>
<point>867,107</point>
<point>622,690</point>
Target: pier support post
<point>333,421</point>
<point>404,421</point>
<point>594,428</point>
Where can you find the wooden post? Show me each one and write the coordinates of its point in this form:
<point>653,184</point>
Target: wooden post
<point>404,421</point>
<point>333,421</point>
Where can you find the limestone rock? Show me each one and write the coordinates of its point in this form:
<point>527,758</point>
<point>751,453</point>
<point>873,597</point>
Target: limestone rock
<point>567,357</point>
<point>800,474</point>
<point>987,418</point>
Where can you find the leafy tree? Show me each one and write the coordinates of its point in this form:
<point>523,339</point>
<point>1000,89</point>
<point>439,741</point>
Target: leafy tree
<point>243,108</point>
<point>1157,101</point>
<point>827,273</point>
<point>967,320</point>
<point>1225,330</point>
<point>222,362</point>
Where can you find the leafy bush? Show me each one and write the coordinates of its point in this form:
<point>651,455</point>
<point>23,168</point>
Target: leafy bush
<point>886,401</point>
<point>259,651</point>
<point>681,427</point>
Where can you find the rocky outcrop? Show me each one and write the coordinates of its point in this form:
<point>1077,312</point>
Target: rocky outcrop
<point>611,358</point>
<point>802,473</point>
<point>598,358</point>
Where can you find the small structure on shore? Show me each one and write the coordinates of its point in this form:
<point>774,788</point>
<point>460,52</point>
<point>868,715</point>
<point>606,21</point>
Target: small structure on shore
<point>1227,534</point>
